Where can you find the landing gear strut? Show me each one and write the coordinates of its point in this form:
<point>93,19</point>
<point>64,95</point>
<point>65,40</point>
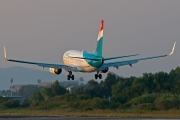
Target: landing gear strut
<point>70,76</point>
<point>98,76</point>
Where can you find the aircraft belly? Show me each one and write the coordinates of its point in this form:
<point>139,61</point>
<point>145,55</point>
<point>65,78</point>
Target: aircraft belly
<point>81,66</point>
<point>87,68</point>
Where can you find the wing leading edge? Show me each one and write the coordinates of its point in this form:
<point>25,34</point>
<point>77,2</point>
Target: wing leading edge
<point>133,61</point>
<point>48,65</point>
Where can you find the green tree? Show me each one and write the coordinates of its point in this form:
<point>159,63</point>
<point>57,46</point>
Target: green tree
<point>56,89</point>
<point>118,92</point>
<point>80,90</point>
<point>149,84</point>
<point>25,103</point>
<point>26,91</point>
<point>160,79</point>
<point>47,93</point>
<point>176,89</point>
<point>94,89</point>
<point>174,76</point>
<point>110,80</point>
<point>11,103</point>
<point>36,98</point>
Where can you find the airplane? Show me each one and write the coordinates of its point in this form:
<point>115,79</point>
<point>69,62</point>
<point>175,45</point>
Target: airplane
<point>82,61</point>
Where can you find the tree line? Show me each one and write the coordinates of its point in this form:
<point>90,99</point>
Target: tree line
<point>151,91</point>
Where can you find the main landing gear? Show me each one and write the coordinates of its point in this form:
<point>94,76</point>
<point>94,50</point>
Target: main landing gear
<point>98,76</point>
<point>70,76</point>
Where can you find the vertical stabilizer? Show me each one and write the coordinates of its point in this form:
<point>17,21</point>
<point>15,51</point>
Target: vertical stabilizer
<point>98,50</point>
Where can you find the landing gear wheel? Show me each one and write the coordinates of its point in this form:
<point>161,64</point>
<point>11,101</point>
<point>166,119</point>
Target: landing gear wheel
<point>100,76</point>
<point>72,77</point>
<point>96,76</point>
<point>68,77</point>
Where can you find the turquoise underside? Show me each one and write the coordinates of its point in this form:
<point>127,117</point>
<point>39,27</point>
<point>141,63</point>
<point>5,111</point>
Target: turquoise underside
<point>94,63</point>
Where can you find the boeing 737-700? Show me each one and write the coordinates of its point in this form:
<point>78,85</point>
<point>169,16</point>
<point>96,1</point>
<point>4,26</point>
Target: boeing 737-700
<point>81,61</point>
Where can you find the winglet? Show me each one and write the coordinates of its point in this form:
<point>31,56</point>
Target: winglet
<point>5,56</point>
<point>173,49</point>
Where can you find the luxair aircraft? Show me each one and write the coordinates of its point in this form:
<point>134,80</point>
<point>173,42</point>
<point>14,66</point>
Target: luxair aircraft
<point>81,61</point>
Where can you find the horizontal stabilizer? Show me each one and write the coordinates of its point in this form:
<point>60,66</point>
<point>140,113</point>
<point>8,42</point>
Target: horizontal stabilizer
<point>95,59</point>
<point>120,57</point>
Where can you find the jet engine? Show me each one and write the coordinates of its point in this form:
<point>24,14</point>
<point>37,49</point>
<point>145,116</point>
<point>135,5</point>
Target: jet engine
<point>105,70</point>
<point>55,71</point>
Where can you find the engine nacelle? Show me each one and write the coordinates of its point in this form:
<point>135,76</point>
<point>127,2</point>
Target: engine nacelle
<point>105,70</point>
<point>55,71</point>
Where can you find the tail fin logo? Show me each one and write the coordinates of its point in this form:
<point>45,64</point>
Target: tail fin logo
<point>100,35</point>
<point>98,50</point>
<point>102,25</point>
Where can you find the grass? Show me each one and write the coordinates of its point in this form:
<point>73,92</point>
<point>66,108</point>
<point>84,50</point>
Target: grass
<point>93,113</point>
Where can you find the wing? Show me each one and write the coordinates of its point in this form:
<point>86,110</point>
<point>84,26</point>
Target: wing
<point>48,65</point>
<point>133,61</point>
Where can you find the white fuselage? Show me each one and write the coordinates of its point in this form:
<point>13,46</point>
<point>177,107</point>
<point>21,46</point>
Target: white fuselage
<point>80,64</point>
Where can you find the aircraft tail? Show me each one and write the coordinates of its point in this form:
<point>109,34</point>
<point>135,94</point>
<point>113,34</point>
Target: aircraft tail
<point>99,46</point>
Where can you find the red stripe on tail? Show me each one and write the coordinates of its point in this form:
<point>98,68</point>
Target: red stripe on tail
<point>102,25</point>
